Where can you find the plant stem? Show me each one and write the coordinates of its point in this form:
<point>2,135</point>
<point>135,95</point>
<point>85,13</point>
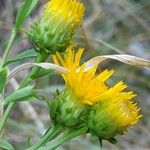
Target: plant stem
<point>25,82</point>
<point>7,49</point>
<point>5,116</point>
<point>50,134</point>
<point>65,136</point>
<point>6,52</point>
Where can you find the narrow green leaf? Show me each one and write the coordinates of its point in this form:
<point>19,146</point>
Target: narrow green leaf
<point>23,55</point>
<point>52,108</point>
<point>24,11</point>
<point>3,77</point>
<point>21,95</point>
<point>42,73</point>
<point>6,145</point>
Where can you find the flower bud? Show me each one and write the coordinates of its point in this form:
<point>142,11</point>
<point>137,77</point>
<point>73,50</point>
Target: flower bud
<point>65,110</point>
<point>53,31</point>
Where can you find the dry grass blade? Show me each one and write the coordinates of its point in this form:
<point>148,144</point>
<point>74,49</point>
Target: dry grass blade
<point>22,67</point>
<point>127,59</point>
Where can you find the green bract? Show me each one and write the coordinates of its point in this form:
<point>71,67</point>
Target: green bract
<point>66,112</point>
<point>101,123</point>
<point>50,35</point>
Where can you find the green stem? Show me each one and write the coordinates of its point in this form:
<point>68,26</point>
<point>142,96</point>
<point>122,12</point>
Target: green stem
<point>63,137</point>
<point>6,52</point>
<point>25,82</point>
<point>7,49</point>
<point>5,117</point>
<point>50,134</point>
<point>53,135</point>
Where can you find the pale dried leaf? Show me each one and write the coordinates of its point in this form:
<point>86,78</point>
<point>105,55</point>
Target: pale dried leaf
<point>127,59</point>
<point>58,68</point>
<point>22,67</point>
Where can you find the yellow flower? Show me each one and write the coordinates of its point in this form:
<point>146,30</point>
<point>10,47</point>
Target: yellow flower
<point>69,12</point>
<point>112,110</point>
<point>86,86</point>
<point>53,31</point>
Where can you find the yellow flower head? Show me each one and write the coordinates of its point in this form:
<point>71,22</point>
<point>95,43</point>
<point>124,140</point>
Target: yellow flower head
<point>86,86</point>
<point>53,31</point>
<point>70,11</point>
<point>112,110</point>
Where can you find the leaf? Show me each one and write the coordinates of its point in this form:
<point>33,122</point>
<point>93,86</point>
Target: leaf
<point>47,66</point>
<point>21,94</point>
<point>41,73</point>
<point>3,77</point>
<point>23,12</point>
<point>52,108</point>
<point>6,145</point>
<point>58,68</point>
<point>24,55</point>
<point>127,59</point>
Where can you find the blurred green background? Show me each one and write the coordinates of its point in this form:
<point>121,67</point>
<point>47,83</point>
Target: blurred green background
<point>109,27</point>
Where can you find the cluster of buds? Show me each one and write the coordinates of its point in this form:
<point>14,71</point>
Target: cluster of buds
<point>86,99</point>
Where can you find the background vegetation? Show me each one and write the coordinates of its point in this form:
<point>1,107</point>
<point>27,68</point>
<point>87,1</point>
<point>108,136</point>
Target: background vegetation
<point>109,27</point>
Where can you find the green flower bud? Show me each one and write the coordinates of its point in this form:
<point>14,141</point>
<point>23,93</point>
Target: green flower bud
<point>53,31</point>
<point>65,110</point>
